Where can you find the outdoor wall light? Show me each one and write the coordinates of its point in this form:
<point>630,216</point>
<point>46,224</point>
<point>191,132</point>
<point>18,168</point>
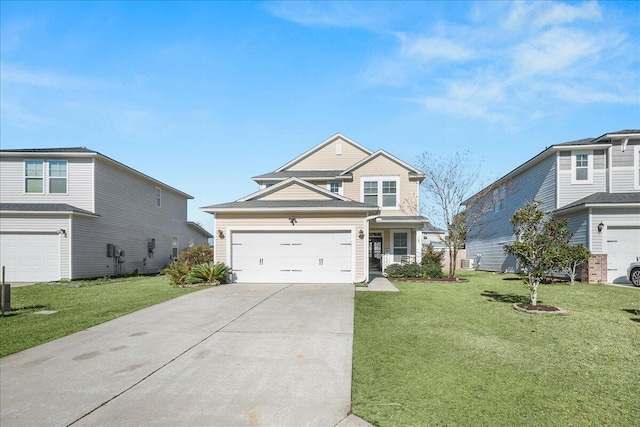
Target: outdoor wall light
<point>361,234</point>
<point>600,227</point>
<point>293,221</point>
<point>220,233</point>
<point>62,232</point>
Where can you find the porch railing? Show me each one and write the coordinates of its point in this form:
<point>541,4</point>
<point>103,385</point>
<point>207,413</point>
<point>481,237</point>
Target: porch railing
<point>388,259</point>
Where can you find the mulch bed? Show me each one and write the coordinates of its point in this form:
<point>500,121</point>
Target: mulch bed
<point>538,309</point>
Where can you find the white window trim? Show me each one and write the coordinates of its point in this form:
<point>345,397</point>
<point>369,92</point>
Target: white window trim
<point>589,179</point>
<point>157,195</point>
<point>380,179</point>
<point>636,167</point>
<point>43,177</point>
<point>391,243</point>
<point>340,190</point>
<point>49,177</point>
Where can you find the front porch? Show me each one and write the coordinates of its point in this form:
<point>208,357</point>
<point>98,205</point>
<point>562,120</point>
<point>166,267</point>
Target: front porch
<point>394,240</point>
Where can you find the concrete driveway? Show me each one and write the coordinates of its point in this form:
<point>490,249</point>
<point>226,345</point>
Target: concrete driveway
<point>235,355</point>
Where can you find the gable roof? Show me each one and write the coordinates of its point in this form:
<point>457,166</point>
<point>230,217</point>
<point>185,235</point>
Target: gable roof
<point>199,229</point>
<point>290,205</point>
<point>544,154</point>
<point>603,199</point>
<point>320,146</point>
<point>412,171</point>
<point>305,175</point>
<point>85,152</point>
<point>286,183</point>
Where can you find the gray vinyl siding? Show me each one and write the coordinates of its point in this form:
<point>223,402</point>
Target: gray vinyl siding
<point>570,192</point>
<point>494,230</point>
<point>79,183</point>
<point>622,167</point>
<point>579,225</point>
<point>128,218</point>
<point>49,224</point>
<point>610,217</point>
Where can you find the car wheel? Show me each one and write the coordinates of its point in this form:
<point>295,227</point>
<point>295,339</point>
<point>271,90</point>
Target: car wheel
<point>635,276</point>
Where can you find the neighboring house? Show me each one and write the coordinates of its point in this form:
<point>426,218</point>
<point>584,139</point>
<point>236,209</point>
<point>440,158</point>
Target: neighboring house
<point>70,213</point>
<point>331,214</point>
<point>434,236</point>
<point>594,183</point>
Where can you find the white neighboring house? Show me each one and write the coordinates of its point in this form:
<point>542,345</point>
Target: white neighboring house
<point>594,183</point>
<point>71,213</point>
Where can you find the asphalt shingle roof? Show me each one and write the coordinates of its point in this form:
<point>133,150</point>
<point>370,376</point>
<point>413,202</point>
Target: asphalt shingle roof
<point>43,207</point>
<point>300,174</point>
<point>49,150</point>
<point>605,198</point>
<point>275,204</point>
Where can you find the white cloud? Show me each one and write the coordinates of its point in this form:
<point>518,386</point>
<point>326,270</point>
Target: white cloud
<point>332,14</point>
<point>426,49</point>
<point>537,15</point>
<point>16,75</point>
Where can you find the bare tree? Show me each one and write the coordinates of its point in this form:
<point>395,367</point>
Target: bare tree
<point>449,181</point>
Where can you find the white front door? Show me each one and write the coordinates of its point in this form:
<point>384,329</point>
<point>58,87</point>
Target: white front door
<point>30,257</point>
<point>291,257</point>
<point>623,246</point>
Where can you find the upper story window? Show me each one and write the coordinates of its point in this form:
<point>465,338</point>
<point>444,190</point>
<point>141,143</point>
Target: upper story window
<point>58,176</point>
<point>499,195</point>
<point>380,191</point>
<point>636,168</point>
<point>34,176</point>
<point>582,167</point>
<point>335,187</point>
<point>158,197</point>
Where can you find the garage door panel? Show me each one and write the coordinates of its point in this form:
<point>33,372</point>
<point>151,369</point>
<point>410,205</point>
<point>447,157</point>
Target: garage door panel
<point>292,257</point>
<point>30,257</point>
<point>623,246</point>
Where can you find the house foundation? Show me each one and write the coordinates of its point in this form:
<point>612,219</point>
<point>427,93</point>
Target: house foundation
<point>595,268</point>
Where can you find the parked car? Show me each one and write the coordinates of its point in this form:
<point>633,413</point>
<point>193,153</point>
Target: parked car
<point>633,273</point>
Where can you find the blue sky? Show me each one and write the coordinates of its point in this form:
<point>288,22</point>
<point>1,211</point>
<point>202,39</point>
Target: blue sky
<point>205,95</point>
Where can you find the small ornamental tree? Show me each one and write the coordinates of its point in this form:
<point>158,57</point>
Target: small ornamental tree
<point>570,257</point>
<point>539,241</point>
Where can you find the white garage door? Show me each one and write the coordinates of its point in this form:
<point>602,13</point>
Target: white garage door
<point>623,246</point>
<point>30,257</point>
<point>291,257</point>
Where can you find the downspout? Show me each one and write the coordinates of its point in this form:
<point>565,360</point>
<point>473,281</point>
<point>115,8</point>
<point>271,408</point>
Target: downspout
<point>366,246</point>
<point>609,165</point>
<point>590,223</point>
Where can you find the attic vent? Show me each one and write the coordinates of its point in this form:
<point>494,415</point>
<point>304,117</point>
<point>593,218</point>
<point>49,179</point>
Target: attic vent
<point>338,149</point>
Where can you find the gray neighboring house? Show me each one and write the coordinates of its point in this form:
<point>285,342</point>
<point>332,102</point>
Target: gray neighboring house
<point>71,213</point>
<point>594,183</point>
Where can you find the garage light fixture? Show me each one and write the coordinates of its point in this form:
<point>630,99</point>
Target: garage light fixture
<point>293,221</point>
<point>361,234</point>
<point>220,233</point>
<point>62,232</point>
<point>600,227</point>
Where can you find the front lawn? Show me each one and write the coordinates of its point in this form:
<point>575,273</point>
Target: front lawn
<point>79,305</point>
<point>459,354</point>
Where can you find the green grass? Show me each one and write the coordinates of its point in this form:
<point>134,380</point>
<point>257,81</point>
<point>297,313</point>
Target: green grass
<point>459,354</point>
<point>79,305</point>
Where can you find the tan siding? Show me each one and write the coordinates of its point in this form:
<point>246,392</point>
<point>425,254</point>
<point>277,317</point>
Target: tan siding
<point>381,166</point>
<point>303,219</point>
<point>295,192</point>
<point>79,184</point>
<point>327,159</point>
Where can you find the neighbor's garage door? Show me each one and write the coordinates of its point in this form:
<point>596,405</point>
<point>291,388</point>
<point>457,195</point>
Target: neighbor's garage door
<point>30,257</point>
<point>623,246</point>
<point>291,257</point>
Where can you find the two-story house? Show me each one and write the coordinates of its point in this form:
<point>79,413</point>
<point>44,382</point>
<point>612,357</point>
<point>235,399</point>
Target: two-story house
<point>594,183</point>
<point>330,215</point>
<point>70,213</point>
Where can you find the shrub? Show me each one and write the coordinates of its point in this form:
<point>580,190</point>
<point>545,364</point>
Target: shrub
<point>432,256</point>
<point>432,271</point>
<point>209,272</point>
<point>178,270</point>
<point>397,271</point>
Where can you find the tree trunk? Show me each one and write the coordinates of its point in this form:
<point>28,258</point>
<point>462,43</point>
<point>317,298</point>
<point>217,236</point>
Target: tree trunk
<point>534,293</point>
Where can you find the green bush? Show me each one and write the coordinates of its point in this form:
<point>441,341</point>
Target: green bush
<point>211,273</point>
<point>178,270</point>
<point>432,262</point>
<point>397,271</point>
